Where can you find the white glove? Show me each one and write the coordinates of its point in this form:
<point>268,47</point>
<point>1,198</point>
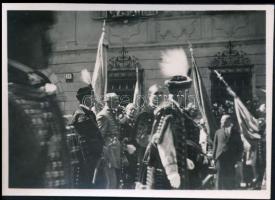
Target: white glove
<point>190,164</point>
<point>205,160</point>
<point>131,148</point>
<point>140,186</point>
<point>174,180</point>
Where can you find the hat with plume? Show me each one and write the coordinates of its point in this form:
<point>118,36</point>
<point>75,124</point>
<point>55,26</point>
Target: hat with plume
<point>174,65</point>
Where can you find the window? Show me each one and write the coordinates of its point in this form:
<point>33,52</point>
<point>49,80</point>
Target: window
<point>122,76</point>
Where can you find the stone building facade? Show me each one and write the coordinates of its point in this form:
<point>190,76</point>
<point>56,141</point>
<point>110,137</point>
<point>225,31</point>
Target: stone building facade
<point>232,42</point>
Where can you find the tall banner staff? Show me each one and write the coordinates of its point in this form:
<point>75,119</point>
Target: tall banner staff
<point>98,82</point>
<point>100,74</point>
<point>202,97</point>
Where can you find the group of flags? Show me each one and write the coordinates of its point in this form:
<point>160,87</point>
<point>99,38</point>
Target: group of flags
<point>247,123</point>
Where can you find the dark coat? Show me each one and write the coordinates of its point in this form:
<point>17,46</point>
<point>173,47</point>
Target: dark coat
<point>128,137</point>
<point>230,147</point>
<point>86,126</point>
<point>227,151</point>
<point>90,143</point>
<point>38,156</point>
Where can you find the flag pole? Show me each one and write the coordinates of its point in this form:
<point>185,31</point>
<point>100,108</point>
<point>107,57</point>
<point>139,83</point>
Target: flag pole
<point>229,89</point>
<point>247,123</point>
<point>191,51</point>
<point>136,86</point>
<point>201,95</point>
<point>106,71</point>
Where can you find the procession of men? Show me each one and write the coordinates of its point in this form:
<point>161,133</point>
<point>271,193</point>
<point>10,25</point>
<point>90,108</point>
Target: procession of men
<point>161,145</point>
<point>158,143</point>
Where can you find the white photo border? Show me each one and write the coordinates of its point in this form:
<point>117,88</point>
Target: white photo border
<point>237,194</point>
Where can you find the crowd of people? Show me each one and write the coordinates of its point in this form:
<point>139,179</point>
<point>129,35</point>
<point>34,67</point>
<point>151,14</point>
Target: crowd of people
<point>125,150</point>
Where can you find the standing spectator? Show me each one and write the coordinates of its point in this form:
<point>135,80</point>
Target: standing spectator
<point>227,151</point>
<point>109,128</point>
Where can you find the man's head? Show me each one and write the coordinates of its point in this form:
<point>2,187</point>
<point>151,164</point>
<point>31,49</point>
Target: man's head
<point>226,121</point>
<point>28,38</point>
<point>85,96</point>
<point>131,111</point>
<point>262,108</point>
<point>156,95</point>
<point>111,100</point>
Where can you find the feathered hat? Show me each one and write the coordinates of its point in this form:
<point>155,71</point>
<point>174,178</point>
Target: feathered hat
<point>86,78</point>
<point>174,65</point>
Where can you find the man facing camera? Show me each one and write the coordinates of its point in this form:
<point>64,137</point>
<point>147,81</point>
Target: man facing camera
<point>109,128</point>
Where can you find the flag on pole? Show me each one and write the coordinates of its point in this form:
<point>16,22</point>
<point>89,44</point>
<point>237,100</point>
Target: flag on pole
<point>99,78</point>
<point>249,126</point>
<point>137,92</point>
<point>202,98</point>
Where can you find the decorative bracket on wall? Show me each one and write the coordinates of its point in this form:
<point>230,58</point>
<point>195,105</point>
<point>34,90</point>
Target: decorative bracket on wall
<point>123,61</point>
<point>230,57</point>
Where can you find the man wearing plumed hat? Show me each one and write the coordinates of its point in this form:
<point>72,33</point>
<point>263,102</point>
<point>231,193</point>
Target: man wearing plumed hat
<point>168,163</point>
<point>90,140</point>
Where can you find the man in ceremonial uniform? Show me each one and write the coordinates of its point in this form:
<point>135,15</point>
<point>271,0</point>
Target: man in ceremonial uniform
<point>89,137</point>
<point>128,138</point>
<point>109,128</point>
<point>38,156</point>
<point>145,118</point>
<point>167,163</point>
<point>144,123</point>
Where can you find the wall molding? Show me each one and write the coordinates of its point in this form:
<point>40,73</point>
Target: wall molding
<point>195,44</point>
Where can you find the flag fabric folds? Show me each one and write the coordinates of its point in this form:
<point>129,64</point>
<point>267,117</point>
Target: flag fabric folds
<point>202,99</point>
<point>248,124</point>
<point>99,78</point>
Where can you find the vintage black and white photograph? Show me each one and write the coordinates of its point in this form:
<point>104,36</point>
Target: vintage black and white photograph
<point>131,100</point>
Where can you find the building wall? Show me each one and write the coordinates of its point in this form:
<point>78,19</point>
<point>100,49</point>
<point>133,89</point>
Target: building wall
<point>76,34</point>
